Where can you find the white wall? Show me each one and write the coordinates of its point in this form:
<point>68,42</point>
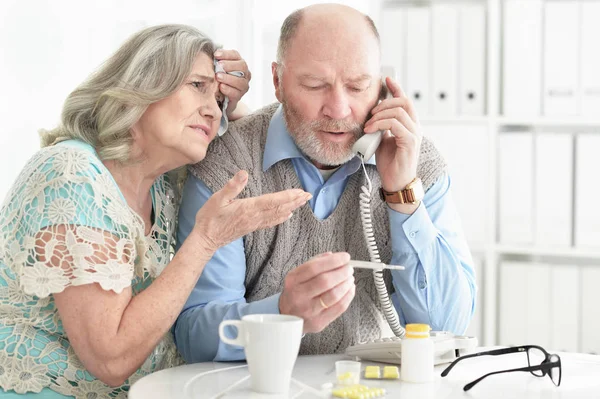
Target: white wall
<point>47,47</point>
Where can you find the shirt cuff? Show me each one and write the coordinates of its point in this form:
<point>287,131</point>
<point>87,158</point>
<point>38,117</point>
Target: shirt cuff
<point>411,233</point>
<point>269,305</point>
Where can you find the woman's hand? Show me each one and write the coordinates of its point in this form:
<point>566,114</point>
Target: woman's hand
<point>232,86</point>
<point>224,218</point>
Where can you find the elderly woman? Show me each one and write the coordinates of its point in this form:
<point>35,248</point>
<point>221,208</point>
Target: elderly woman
<point>88,284</point>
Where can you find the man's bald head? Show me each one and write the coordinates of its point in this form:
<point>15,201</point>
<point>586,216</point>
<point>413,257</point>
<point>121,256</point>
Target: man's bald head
<point>318,19</point>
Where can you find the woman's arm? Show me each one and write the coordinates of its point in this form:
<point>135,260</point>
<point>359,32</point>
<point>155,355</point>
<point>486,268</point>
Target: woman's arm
<point>113,333</point>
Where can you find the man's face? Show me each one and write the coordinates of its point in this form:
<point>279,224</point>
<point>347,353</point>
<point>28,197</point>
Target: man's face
<point>328,87</point>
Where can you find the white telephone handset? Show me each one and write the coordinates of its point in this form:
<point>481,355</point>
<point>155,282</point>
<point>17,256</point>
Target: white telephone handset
<point>365,148</point>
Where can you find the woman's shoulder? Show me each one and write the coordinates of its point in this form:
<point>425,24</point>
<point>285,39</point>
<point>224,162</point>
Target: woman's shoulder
<point>64,183</point>
<point>72,157</point>
<point>62,160</point>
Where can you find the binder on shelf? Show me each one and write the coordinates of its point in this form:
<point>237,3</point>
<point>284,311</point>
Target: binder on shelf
<point>564,302</point>
<point>587,192</point>
<point>513,295</point>
<point>393,36</point>
<point>590,58</point>
<point>553,200</point>
<point>515,187</point>
<point>444,24</point>
<point>467,164</point>
<point>522,58</point>
<point>561,57</point>
<point>418,46</point>
<point>590,298</point>
<point>537,304</point>
<point>471,65</point>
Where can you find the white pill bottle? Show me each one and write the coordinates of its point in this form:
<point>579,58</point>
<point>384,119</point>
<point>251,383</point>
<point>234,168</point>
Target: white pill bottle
<point>417,354</point>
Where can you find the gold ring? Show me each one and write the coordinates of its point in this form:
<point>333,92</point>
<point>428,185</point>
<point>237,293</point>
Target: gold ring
<point>323,303</point>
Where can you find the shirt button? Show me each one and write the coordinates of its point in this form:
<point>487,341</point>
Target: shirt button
<point>422,284</point>
<point>413,234</point>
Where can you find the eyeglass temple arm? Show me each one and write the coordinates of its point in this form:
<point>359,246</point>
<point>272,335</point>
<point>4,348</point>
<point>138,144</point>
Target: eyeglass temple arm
<point>494,352</point>
<point>544,367</point>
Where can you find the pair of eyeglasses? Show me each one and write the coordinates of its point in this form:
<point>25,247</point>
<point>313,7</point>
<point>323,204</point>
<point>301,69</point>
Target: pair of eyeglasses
<point>540,363</point>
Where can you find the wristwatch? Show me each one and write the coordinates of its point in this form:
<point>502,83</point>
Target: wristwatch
<point>411,194</point>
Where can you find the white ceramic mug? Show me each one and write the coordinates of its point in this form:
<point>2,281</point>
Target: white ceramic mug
<point>271,343</point>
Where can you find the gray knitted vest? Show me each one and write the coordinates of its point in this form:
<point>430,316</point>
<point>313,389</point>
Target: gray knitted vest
<point>271,254</point>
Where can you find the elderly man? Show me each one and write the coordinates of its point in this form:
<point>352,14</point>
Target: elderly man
<point>328,82</point>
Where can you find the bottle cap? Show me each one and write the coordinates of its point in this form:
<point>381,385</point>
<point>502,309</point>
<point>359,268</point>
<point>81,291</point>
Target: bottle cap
<point>417,330</point>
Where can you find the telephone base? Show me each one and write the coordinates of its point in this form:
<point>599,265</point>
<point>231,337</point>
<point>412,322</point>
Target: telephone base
<point>447,347</point>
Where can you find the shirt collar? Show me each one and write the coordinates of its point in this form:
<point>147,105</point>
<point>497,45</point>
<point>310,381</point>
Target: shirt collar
<point>280,145</point>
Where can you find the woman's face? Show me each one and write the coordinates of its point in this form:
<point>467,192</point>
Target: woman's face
<point>179,128</point>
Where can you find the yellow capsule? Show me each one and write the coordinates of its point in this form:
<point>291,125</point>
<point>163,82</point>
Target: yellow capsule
<point>339,393</point>
<point>344,376</point>
<point>372,372</point>
<point>391,372</point>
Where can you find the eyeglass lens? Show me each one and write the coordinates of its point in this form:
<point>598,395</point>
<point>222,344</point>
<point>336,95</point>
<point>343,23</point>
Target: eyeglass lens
<point>536,357</point>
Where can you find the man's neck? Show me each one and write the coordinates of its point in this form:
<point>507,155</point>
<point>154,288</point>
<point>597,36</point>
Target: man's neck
<point>323,167</point>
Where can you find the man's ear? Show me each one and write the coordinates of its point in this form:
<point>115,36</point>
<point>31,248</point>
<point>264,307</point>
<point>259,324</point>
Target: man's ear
<point>276,82</point>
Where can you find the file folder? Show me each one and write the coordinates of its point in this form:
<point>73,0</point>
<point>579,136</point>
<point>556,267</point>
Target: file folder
<point>513,295</point>
<point>472,56</point>
<point>561,56</point>
<point>590,59</point>
<point>522,58</point>
<point>565,302</point>
<point>444,20</point>
<point>515,185</point>
<point>554,190</point>
<point>587,192</point>
<point>418,47</point>
<point>537,304</point>
<point>590,298</point>
<point>393,36</point>
<point>467,164</point>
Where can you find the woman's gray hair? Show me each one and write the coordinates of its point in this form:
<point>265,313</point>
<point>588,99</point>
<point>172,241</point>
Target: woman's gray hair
<point>149,66</point>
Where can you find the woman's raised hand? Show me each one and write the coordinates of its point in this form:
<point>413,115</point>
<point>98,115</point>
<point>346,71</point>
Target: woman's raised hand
<point>224,218</point>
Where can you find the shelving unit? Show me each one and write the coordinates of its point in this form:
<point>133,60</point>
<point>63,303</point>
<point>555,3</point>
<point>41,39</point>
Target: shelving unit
<point>492,125</point>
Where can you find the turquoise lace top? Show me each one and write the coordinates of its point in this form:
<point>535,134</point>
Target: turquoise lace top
<point>65,222</point>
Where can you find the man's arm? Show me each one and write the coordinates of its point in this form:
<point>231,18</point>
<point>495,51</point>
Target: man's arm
<point>438,285</point>
<point>218,294</point>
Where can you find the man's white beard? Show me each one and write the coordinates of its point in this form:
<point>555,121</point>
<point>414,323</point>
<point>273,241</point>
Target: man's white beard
<point>306,137</point>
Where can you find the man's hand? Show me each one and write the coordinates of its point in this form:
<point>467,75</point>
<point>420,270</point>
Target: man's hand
<point>398,154</point>
<point>319,290</point>
<point>232,86</point>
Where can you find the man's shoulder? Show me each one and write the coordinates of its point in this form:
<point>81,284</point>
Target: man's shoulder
<point>243,134</point>
<point>241,147</point>
<point>432,164</point>
<point>257,120</point>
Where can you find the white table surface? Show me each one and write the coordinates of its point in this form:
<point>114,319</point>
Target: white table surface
<point>580,379</point>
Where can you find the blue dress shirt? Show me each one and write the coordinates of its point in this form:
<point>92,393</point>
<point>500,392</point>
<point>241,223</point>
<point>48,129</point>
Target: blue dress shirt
<point>437,287</point>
